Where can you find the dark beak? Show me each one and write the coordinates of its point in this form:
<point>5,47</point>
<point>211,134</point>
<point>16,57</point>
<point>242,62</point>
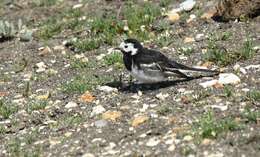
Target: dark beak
<point>117,48</point>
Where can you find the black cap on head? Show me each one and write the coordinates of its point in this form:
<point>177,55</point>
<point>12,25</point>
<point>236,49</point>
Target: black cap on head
<point>136,43</point>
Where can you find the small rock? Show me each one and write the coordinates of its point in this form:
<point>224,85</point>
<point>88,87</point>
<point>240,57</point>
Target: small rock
<point>68,134</point>
<point>88,155</point>
<point>162,96</point>
<point>216,155</point>
<point>71,105</point>
<point>208,83</point>
<point>209,14</point>
<point>187,5</point>
<point>101,56</point>
<point>100,123</point>
<point>191,18</point>
<point>77,6</point>
<point>87,97</point>
<point>97,110</point>
<point>139,120</point>
<point>112,115</point>
<point>228,78</point>
<point>171,148</point>
<point>107,89</point>
<point>153,142</point>
<point>187,138</point>
<point>199,37</point>
<point>189,40</point>
<point>44,51</point>
<point>220,106</point>
<point>252,67</point>
<point>173,17</point>
<point>41,67</point>
<point>206,142</point>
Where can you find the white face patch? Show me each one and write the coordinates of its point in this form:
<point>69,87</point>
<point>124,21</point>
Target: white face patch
<point>129,48</point>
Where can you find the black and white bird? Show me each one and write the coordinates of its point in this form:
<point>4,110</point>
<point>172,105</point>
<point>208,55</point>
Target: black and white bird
<point>151,66</point>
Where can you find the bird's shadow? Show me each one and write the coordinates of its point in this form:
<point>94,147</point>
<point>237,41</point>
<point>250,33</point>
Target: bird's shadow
<point>134,87</point>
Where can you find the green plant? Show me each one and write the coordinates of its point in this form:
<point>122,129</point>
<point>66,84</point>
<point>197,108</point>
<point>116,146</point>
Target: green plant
<point>7,30</point>
<point>228,90</point>
<point>82,83</point>
<point>36,105</point>
<point>251,115</point>
<point>210,127</point>
<point>254,95</point>
<point>113,58</point>
<point>247,51</point>
<point>86,44</point>
<point>6,110</point>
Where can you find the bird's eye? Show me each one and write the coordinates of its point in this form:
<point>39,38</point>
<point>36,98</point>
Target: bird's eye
<point>126,46</point>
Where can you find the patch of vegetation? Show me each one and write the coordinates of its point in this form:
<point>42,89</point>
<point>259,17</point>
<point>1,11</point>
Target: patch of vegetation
<point>2,130</point>
<point>140,18</point>
<point>164,110</point>
<point>69,19</point>
<point>82,83</point>
<point>87,44</point>
<point>42,3</point>
<point>222,57</point>
<point>186,50</point>
<point>15,149</point>
<point>228,91</point>
<point>218,55</point>
<point>6,110</point>
<point>226,35</point>
<point>114,58</point>
<point>251,115</point>
<point>254,95</point>
<point>210,127</point>
<point>247,51</point>
<point>34,105</point>
<point>81,64</point>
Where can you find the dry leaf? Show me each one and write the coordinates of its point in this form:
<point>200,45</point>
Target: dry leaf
<point>111,115</point>
<point>87,97</point>
<point>139,120</point>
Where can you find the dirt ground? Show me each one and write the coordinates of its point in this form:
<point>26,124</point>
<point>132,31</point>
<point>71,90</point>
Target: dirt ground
<point>63,98</point>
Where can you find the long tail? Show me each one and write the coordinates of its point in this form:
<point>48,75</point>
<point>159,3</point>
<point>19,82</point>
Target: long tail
<point>180,67</point>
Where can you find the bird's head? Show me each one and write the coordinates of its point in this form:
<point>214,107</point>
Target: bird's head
<point>130,46</point>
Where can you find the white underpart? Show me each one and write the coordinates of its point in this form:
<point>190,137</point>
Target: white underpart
<point>143,77</point>
<point>129,48</point>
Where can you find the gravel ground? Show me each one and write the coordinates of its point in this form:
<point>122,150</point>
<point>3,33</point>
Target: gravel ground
<point>57,101</point>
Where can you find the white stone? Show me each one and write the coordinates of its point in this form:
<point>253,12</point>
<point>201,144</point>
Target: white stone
<point>97,110</point>
<point>71,105</point>
<point>252,67</point>
<point>153,142</point>
<point>88,155</point>
<point>162,96</point>
<point>77,6</point>
<point>171,148</point>
<point>187,5</point>
<point>228,78</point>
<point>107,89</point>
<point>188,138</point>
<point>199,37</point>
<point>41,67</point>
<point>208,83</point>
<point>101,56</point>
<point>221,106</point>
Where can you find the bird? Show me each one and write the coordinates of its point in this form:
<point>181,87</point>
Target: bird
<point>151,66</point>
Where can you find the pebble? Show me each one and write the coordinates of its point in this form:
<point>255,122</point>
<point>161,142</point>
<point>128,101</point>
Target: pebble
<point>189,40</point>
<point>221,106</point>
<point>187,5</point>
<point>161,96</point>
<point>173,17</point>
<point>252,67</point>
<point>88,155</point>
<point>191,18</point>
<point>97,110</point>
<point>71,105</point>
<point>172,148</point>
<point>107,89</point>
<point>41,67</point>
<point>187,138</point>
<point>208,83</point>
<point>228,78</point>
<point>199,37</point>
<point>77,6</point>
<point>153,142</point>
<point>100,123</point>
